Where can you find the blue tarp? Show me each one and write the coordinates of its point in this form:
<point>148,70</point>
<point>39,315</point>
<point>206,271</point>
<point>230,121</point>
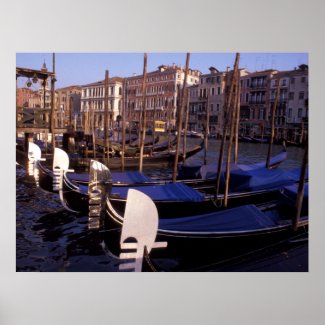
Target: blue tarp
<point>257,179</point>
<point>291,191</point>
<point>244,218</point>
<point>209,171</point>
<point>130,177</point>
<point>260,179</point>
<point>188,172</point>
<point>168,192</point>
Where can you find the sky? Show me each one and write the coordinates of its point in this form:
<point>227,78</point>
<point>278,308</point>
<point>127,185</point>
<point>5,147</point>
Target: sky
<point>83,68</point>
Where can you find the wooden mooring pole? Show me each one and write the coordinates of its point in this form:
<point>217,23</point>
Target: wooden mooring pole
<point>225,126</point>
<point>185,126</point>
<point>92,124</point>
<point>154,125</point>
<point>106,119</point>
<point>52,123</point>
<point>180,118</point>
<point>206,133</point>
<point>143,124</point>
<point>124,101</point>
<point>169,108</point>
<point>269,153</point>
<point>231,135</point>
<point>300,193</point>
<point>237,121</point>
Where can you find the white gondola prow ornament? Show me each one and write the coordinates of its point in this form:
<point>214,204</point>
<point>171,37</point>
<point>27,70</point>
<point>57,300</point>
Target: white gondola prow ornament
<point>140,223</point>
<point>34,155</point>
<point>60,165</point>
<point>100,179</point>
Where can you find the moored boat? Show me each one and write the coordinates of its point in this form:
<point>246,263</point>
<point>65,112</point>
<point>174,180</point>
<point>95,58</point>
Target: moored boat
<point>220,235</point>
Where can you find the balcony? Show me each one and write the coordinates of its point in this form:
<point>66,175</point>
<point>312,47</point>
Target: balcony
<point>257,102</point>
<point>258,85</point>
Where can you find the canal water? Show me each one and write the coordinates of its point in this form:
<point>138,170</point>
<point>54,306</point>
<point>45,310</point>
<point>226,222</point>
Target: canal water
<point>50,239</point>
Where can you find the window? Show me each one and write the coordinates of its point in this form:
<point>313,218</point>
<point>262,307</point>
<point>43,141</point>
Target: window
<point>291,95</point>
<point>300,112</point>
<point>219,90</point>
<point>211,107</point>
<point>247,82</point>
<point>212,90</point>
<point>301,95</point>
<point>303,79</point>
<point>292,80</point>
<point>261,113</point>
<point>290,112</point>
<point>284,82</point>
<point>247,97</point>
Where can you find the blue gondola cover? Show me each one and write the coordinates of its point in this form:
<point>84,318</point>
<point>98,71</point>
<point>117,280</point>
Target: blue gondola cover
<point>244,218</point>
<point>168,192</point>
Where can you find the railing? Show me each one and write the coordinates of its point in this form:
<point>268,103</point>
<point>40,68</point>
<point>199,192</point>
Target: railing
<point>258,85</point>
<point>257,102</point>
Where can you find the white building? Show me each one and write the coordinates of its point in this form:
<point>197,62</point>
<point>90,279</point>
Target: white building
<point>93,97</point>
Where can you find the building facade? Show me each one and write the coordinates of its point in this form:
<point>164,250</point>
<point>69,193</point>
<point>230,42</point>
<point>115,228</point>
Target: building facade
<point>163,88</point>
<point>28,98</point>
<point>257,96</point>
<point>68,105</point>
<point>93,100</point>
<point>207,99</point>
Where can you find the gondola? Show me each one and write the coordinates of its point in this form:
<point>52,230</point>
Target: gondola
<point>210,238</point>
<point>183,200</point>
<point>161,159</point>
<point>208,171</point>
<point>129,178</point>
<point>200,177</point>
<point>148,149</point>
<point>148,142</point>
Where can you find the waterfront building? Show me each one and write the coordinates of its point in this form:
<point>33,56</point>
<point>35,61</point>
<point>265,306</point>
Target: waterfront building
<point>68,106</point>
<point>208,95</point>
<point>258,93</point>
<point>297,108</point>
<point>28,98</point>
<point>211,94</point>
<point>92,100</point>
<point>163,90</point>
<point>256,106</point>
